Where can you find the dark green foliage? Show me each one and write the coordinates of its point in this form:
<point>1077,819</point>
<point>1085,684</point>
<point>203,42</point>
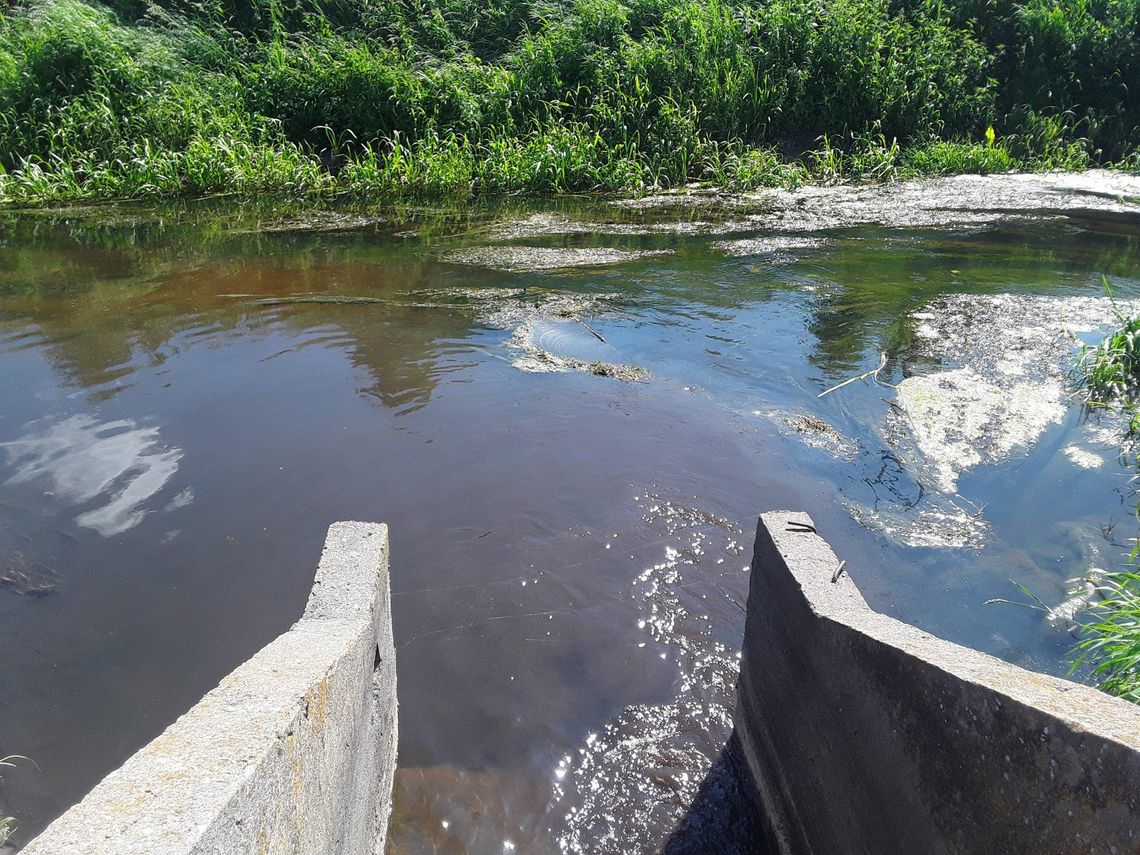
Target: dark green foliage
<point>477,96</point>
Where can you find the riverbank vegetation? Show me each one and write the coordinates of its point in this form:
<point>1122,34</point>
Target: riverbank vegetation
<point>1109,375</point>
<point>451,98</point>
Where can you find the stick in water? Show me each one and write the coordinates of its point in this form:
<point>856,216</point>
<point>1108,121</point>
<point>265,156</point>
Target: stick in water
<point>874,372</point>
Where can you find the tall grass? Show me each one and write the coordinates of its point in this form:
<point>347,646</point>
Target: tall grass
<point>461,97</point>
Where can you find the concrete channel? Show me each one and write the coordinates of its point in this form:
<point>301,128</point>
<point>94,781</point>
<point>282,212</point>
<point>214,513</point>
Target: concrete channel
<point>859,733</point>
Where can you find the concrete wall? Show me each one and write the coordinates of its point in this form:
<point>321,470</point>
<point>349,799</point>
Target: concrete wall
<point>293,752</point>
<point>863,734</point>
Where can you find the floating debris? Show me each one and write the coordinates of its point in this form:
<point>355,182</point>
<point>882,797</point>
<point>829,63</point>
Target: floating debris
<point>549,224</point>
<point>935,522</point>
<point>549,334</point>
<point>521,259</point>
<point>813,432</point>
<point>959,420</point>
<point>969,201</point>
<point>779,247</point>
<point>1013,354</point>
<point>323,222</point>
<point>25,577</point>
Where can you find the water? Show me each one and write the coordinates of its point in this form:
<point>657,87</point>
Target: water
<point>571,459</point>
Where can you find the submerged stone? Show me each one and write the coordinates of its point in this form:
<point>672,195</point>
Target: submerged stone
<point>1082,457</point>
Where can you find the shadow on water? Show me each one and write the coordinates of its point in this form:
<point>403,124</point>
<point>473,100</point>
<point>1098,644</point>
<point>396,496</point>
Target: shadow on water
<point>723,818</point>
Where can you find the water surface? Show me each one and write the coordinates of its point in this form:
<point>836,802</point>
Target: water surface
<point>570,416</point>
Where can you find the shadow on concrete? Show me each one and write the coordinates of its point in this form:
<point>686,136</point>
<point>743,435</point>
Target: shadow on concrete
<point>723,819</point>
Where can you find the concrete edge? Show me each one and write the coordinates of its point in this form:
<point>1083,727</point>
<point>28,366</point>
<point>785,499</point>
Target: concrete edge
<point>812,563</point>
<point>863,734</point>
<point>294,751</point>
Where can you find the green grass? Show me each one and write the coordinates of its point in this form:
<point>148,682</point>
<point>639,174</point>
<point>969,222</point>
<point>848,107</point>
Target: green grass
<point>456,98</point>
<point>1110,372</point>
<point>1110,640</point>
<point>1109,377</point>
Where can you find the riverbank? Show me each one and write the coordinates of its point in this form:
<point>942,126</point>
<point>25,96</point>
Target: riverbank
<point>457,99</point>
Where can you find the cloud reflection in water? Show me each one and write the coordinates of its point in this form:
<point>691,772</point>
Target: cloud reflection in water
<point>84,460</point>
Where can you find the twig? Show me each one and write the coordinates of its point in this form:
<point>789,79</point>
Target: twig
<point>328,299</point>
<point>731,598</point>
<point>590,330</point>
<point>874,372</point>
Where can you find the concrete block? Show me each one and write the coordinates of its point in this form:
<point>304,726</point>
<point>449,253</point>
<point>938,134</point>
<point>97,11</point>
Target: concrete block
<point>293,752</point>
<point>863,734</point>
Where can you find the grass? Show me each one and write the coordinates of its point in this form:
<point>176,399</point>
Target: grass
<point>458,98</point>
<point>1109,375</point>
<point>1111,636</point>
<point>7,823</point>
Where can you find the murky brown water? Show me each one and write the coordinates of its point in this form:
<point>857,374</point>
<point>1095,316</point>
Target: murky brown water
<point>571,460</point>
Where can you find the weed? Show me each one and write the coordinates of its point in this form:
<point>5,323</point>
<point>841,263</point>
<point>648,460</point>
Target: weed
<point>1109,373</point>
<point>1111,636</point>
<point>460,97</point>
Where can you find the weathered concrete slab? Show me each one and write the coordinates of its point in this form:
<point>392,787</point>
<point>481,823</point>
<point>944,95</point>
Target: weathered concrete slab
<point>863,734</point>
<point>293,752</point>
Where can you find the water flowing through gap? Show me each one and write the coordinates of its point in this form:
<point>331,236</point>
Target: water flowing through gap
<point>569,414</point>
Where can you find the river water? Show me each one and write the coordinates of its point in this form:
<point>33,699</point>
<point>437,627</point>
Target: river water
<point>570,415</point>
